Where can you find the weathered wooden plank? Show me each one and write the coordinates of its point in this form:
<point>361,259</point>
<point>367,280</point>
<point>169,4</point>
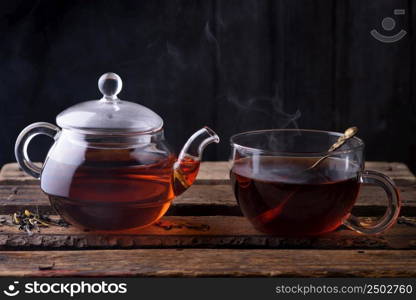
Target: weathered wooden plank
<point>399,172</point>
<point>199,199</point>
<point>202,200</point>
<point>208,231</point>
<point>209,173</point>
<point>211,262</point>
<point>218,173</point>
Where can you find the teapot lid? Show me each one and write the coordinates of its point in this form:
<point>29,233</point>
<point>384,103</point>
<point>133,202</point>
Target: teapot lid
<point>110,114</point>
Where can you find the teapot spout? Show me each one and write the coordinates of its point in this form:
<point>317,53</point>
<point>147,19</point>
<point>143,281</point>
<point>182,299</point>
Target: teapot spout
<point>187,166</point>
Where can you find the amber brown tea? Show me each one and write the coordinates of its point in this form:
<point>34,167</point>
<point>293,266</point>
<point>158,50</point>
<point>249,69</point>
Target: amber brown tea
<point>115,191</point>
<point>279,197</point>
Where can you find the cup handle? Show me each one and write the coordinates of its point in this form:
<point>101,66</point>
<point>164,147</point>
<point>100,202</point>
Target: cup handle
<point>22,143</point>
<point>393,206</point>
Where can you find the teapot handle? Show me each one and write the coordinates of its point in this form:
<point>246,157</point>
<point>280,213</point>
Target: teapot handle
<point>22,143</point>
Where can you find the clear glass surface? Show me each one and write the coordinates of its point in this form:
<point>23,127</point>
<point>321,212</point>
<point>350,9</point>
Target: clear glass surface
<point>110,114</point>
<point>110,167</point>
<point>279,192</point>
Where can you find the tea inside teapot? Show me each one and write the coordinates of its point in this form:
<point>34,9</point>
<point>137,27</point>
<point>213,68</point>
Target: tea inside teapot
<point>110,167</point>
<point>110,189</point>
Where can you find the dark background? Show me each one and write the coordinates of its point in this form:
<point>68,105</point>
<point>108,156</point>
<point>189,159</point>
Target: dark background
<point>232,65</point>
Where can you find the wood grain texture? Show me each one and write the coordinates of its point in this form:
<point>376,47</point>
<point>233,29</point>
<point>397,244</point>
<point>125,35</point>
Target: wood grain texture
<point>199,199</point>
<point>209,173</point>
<point>203,200</point>
<point>218,173</point>
<point>233,65</point>
<point>211,262</point>
<point>197,232</point>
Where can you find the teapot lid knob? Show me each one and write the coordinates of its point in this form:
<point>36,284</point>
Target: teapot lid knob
<point>110,85</point>
<point>110,115</point>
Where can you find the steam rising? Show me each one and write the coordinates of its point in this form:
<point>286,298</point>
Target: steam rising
<point>270,107</point>
<point>211,38</point>
<point>280,118</point>
<point>176,55</point>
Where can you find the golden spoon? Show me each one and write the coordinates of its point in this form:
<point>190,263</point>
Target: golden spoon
<point>349,133</point>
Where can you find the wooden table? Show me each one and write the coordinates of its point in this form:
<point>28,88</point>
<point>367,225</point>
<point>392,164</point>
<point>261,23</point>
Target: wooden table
<point>204,234</point>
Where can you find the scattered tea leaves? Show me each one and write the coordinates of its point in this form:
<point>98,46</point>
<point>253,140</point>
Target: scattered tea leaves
<point>30,222</point>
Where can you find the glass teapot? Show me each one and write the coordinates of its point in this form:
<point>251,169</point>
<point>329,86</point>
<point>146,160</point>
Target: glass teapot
<point>110,167</point>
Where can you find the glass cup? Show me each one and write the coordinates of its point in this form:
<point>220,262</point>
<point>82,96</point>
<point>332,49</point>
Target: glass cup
<point>279,192</point>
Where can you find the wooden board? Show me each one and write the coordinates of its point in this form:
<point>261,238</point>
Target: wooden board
<point>196,201</point>
<point>205,235</point>
<point>209,173</point>
<point>218,173</point>
<point>202,200</point>
<point>207,231</point>
<point>18,191</point>
<point>211,262</point>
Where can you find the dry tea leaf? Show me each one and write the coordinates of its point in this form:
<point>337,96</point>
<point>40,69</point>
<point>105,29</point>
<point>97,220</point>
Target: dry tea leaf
<point>29,221</point>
